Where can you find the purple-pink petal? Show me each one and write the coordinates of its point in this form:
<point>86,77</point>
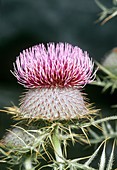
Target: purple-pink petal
<point>60,65</point>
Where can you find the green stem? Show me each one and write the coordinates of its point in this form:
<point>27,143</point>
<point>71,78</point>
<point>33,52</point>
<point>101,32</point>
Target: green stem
<point>95,122</point>
<point>57,148</point>
<point>28,164</point>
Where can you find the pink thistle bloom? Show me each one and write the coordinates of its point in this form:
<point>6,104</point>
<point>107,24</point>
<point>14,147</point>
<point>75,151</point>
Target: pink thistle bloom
<point>60,65</point>
<point>52,74</point>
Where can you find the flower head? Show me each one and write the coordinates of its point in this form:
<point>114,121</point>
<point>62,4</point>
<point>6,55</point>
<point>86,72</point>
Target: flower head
<point>52,74</point>
<point>60,65</point>
<point>18,137</point>
<point>110,61</point>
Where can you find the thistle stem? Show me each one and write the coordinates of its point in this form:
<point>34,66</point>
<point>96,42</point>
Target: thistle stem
<point>28,164</point>
<point>57,148</point>
<point>95,122</point>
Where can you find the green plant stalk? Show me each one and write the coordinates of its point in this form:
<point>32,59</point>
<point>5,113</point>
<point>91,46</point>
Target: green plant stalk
<point>28,164</point>
<point>95,122</point>
<point>56,142</point>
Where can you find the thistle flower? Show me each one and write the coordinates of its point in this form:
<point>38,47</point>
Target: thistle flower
<point>110,61</point>
<point>55,66</point>
<point>23,145</point>
<point>19,138</point>
<point>54,76</point>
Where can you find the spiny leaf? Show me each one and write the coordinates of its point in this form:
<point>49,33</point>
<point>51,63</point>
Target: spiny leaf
<point>103,159</point>
<point>109,127</point>
<point>114,13</point>
<point>110,162</point>
<point>93,134</point>
<point>100,5</point>
<point>104,130</point>
<point>93,155</point>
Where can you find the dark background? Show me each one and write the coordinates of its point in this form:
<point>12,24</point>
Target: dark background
<point>24,23</point>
